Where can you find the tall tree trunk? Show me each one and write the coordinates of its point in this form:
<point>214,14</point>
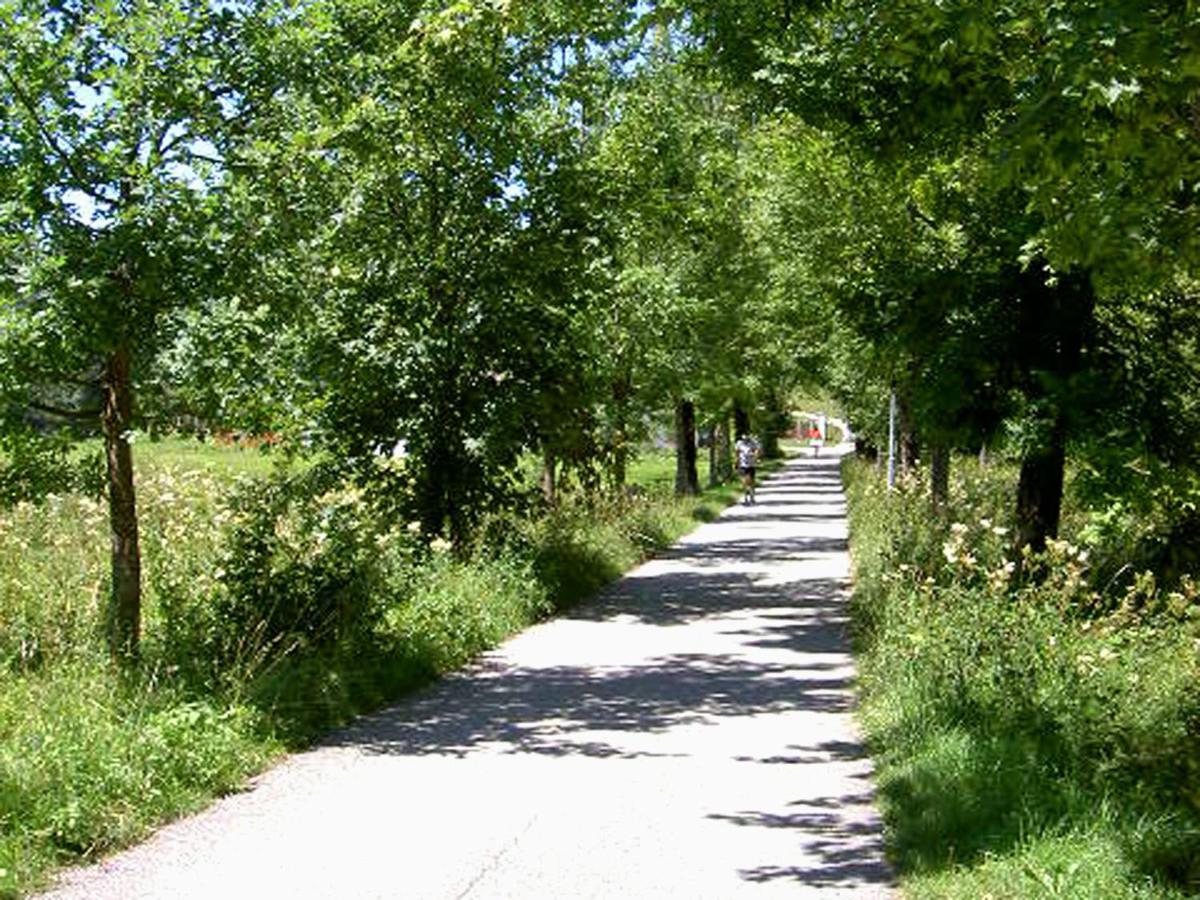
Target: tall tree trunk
<point>1065,313</point>
<point>125,611</point>
<point>777,421</point>
<point>770,444</point>
<point>1040,491</point>
<point>865,450</point>
<point>620,465</point>
<point>722,466</point>
<point>713,475</point>
<point>549,475</point>
<point>909,445</point>
<point>622,389</point>
<point>741,421</point>
<point>939,475</point>
<point>687,480</point>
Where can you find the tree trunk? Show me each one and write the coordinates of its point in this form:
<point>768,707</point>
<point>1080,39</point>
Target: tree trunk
<point>909,445</point>
<point>1065,313</point>
<point>770,444</point>
<point>1040,491</point>
<point>622,388</point>
<point>549,476</point>
<point>126,599</point>
<point>865,450</point>
<point>687,480</point>
<point>722,467</point>
<point>713,475</point>
<point>620,464</point>
<point>939,475</point>
<point>741,421</point>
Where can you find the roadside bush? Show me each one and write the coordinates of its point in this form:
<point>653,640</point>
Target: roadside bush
<point>305,565</point>
<point>456,609</point>
<point>52,580</point>
<point>90,761</point>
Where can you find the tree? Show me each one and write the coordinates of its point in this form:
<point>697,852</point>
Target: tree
<point>115,120</point>
<point>453,253</point>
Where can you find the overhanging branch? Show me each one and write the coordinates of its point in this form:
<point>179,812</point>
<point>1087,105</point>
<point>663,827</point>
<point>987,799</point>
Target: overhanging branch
<point>64,413</point>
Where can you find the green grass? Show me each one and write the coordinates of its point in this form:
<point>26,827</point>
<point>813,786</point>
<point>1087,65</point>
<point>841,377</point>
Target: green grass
<point>91,760</point>
<point>188,454</point>
<point>1028,743</point>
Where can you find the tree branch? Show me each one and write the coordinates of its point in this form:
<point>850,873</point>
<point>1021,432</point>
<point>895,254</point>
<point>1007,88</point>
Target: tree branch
<point>64,413</point>
<point>915,212</point>
<point>63,154</point>
<point>204,157</point>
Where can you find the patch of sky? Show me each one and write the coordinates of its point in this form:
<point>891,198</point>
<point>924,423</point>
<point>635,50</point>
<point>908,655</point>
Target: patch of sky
<point>512,184</point>
<point>82,208</point>
<point>89,99</point>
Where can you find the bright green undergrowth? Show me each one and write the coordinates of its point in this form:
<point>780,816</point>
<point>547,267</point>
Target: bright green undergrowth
<point>277,604</point>
<point>1033,739</point>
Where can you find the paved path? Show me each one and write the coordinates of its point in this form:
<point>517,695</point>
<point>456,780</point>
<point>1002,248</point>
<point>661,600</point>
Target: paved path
<point>687,734</point>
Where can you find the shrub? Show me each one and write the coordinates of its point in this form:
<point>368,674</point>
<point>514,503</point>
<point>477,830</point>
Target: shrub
<point>456,609</point>
<point>305,565</point>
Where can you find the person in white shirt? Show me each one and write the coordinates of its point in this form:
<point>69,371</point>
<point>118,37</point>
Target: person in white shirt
<point>747,450</point>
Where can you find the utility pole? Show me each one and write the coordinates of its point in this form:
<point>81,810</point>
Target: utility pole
<point>891,478</point>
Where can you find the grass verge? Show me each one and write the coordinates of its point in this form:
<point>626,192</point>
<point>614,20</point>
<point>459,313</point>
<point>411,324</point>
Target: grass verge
<point>1032,740</point>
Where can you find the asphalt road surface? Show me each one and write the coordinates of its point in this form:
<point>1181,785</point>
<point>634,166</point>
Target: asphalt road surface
<point>688,734</point>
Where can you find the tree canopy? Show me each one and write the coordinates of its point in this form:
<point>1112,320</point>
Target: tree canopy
<point>435,239</point>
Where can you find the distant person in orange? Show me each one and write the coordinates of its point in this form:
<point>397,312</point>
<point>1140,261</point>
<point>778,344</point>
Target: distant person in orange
<point>815,440</point>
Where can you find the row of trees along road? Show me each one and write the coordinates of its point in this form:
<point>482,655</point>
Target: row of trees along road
<point>477,228</point>
<point>485,229</point>
<point>999,203</point>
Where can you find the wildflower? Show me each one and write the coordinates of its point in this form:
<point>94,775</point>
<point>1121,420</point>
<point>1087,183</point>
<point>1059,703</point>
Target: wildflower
<point>999,530</point>
<point>440,545</point>
<point>959,528</point>
<point>414,527</point>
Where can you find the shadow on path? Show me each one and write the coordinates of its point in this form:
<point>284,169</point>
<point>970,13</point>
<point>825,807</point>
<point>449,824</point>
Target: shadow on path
<point>538,709</point>
<point>770,645</point>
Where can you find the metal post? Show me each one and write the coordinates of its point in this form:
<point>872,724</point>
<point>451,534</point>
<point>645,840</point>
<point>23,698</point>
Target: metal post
<point>891,478</point>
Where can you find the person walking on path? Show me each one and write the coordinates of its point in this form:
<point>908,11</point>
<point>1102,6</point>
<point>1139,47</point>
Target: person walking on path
<point>687,733</point>
<point>748,451</point>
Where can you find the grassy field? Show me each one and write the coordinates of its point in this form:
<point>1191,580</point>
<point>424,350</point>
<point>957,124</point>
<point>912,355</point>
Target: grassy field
<point>1032,741</point>
<point>273,610</point>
